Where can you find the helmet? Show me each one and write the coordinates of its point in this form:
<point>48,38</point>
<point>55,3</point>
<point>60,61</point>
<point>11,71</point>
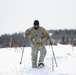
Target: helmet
<point>36,24</point>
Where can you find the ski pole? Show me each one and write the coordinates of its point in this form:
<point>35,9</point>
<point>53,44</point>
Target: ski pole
<point>52,63</point>
<point>22,55</point>
<point>54,56</point>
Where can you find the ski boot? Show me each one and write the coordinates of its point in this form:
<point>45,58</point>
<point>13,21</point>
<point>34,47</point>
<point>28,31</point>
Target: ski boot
<point>40,65</point>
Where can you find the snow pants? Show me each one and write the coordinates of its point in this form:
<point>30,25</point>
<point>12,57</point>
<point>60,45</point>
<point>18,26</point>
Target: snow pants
<point>34,54</point>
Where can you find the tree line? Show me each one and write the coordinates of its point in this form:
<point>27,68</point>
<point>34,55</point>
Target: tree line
<point>19,41</point>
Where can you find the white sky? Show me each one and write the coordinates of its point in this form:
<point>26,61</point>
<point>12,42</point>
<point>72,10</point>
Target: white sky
<point>18,15</point>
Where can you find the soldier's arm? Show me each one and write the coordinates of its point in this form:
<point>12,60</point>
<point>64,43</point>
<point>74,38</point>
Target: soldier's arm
<point>27,33</point>
<point>45,33</point>
<point>47,36</point>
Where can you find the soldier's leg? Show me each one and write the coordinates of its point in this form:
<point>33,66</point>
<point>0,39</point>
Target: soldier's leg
<point>34,57</point>
<point>42,50</point>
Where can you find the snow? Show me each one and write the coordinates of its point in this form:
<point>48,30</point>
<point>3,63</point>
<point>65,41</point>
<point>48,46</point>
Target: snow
<point>65,57</point>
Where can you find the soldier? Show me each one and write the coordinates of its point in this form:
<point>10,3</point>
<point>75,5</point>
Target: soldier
<point>37,36</point>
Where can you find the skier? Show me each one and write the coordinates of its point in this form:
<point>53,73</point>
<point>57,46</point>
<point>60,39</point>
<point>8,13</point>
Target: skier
<point>37,35</point>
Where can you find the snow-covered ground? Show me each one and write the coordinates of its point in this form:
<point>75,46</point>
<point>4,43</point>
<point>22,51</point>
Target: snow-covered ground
<point>65,57</point>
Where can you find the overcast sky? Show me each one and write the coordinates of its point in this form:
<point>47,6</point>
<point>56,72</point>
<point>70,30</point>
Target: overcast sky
<point>18,15</point>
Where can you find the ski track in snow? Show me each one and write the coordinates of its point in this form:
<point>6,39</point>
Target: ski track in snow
<point>65,57</point>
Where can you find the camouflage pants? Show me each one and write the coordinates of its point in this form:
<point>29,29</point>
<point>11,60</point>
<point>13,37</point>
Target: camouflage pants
<point>34,54</point>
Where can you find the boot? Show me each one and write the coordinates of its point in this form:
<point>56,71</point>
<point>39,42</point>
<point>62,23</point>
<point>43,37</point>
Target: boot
<point>41,65</point>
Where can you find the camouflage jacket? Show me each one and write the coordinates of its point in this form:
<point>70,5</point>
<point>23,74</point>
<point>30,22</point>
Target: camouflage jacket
<point>37,36</point>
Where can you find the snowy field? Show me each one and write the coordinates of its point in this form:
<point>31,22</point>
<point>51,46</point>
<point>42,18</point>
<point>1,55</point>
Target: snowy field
<point>65,57</point>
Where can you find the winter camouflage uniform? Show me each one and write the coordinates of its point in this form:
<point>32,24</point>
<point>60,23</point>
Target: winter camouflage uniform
<point>37,38</point>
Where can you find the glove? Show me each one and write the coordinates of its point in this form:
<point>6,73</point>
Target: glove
<point>24,35</point>
<point>49,41</point>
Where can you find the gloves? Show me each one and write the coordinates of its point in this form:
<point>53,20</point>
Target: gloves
<point>24,35</point>
<point>43,40</point>
<point>49,41</point>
